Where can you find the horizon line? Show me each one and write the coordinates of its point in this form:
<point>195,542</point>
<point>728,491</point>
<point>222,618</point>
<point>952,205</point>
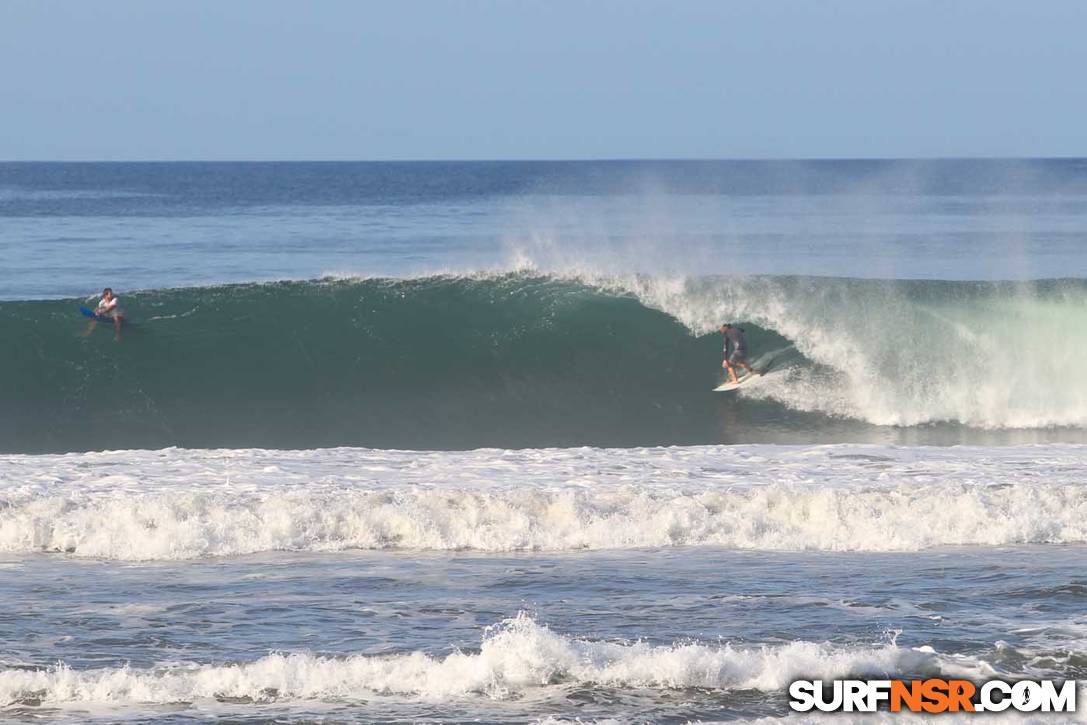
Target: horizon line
<point>498,160</point>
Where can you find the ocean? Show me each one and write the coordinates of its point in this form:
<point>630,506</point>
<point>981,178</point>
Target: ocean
<point>432,441</point>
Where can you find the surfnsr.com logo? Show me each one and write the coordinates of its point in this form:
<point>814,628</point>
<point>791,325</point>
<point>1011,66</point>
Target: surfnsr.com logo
<point>932,696</point>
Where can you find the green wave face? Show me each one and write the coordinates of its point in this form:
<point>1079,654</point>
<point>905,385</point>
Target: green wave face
<point>533,361</point>
<point>429,363</point>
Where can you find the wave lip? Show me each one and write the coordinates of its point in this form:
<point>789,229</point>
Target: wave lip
<point>515,657</point>
<point>176,504</point>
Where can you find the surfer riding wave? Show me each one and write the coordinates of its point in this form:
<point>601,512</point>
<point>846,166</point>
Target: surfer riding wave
<point>735,351</point>
<point>109,308</point>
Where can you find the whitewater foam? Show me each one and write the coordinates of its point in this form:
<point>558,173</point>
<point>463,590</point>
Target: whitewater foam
<point>985,354</point>
<point>182,504</point>
<point>515,657</point>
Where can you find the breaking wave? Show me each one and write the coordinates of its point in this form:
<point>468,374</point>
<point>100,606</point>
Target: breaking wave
<point>526,360</point>
<point>516,657</point>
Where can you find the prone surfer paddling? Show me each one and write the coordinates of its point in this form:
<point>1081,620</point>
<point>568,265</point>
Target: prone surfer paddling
<point>109,307</point>
<point>735,351</point>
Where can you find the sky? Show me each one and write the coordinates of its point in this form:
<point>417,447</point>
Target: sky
<point>546,79</point>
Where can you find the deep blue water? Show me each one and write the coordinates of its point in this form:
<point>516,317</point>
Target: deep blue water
<point>69,229</point>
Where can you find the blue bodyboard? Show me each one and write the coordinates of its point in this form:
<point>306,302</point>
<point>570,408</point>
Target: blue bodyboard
<point>88,312</point>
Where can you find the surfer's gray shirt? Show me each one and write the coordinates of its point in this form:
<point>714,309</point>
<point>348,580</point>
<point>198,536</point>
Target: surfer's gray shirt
<point>734,340</point>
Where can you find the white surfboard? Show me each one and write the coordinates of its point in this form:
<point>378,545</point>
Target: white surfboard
<point>763,363</point>
<point>725,387</point>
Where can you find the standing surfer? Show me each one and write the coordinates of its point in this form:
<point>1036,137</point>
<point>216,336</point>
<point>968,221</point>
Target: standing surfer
<point>735,351</point>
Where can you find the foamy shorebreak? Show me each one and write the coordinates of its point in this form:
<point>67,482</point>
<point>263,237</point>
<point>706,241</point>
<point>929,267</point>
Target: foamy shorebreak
<point>186,504</point>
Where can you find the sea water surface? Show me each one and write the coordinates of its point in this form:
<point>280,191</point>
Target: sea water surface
<point>435,441</point>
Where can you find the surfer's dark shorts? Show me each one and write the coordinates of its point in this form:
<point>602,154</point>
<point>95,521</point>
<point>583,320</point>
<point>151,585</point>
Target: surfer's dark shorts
<point>738,356</point>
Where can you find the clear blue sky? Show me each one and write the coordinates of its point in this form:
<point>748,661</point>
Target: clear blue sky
<point>397,79</point>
